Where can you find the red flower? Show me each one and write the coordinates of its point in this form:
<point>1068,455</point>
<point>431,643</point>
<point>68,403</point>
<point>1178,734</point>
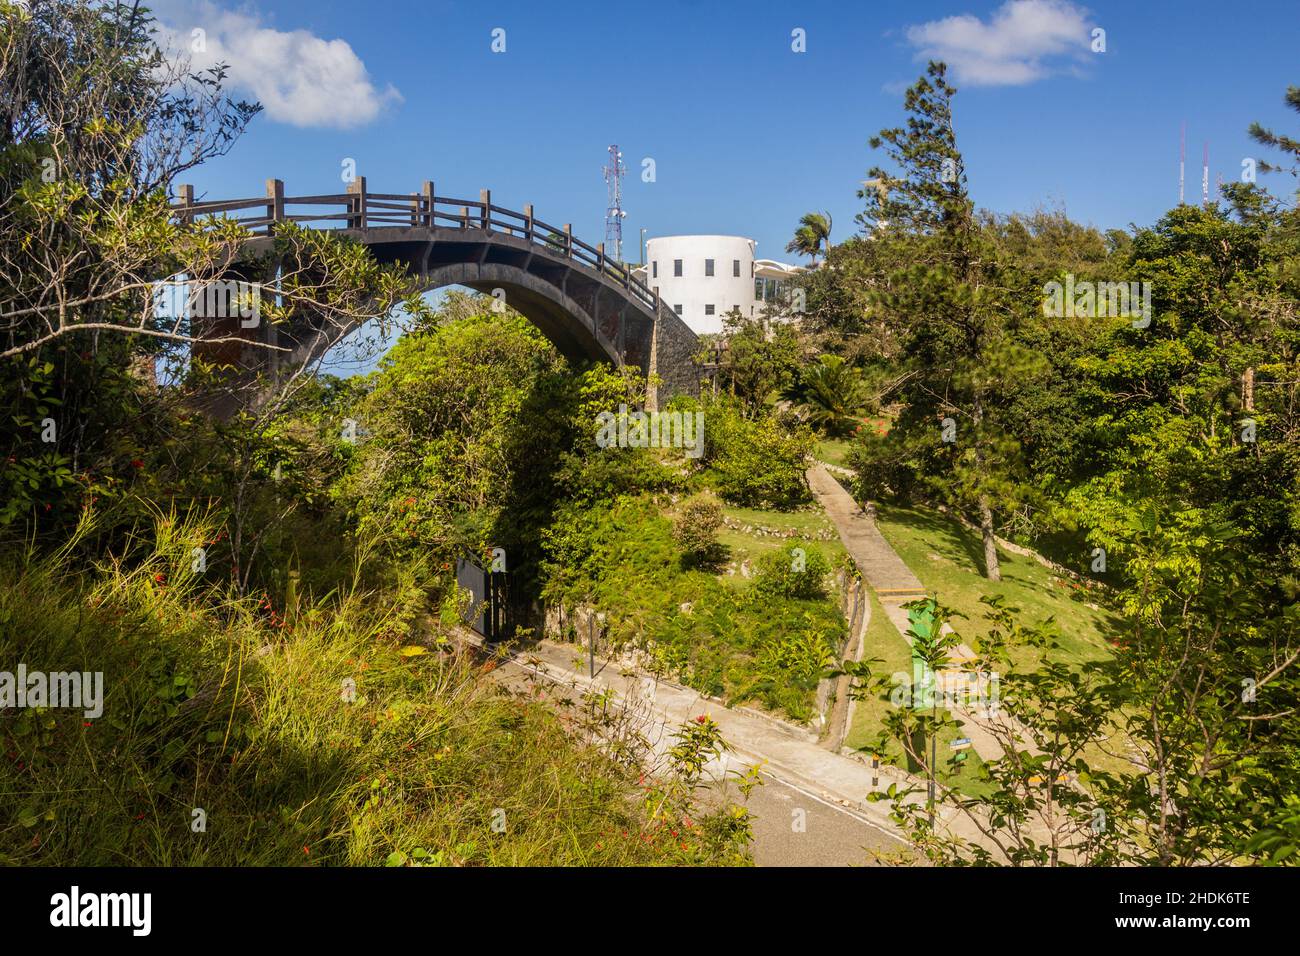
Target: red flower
<point>137,463</point>
<point>701,719</point>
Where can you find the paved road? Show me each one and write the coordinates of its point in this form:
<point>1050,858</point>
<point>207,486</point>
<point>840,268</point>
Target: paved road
<point>793,827</point>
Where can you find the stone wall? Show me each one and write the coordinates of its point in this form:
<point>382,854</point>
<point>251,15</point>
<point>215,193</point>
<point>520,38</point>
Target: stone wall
<point>673,358</point>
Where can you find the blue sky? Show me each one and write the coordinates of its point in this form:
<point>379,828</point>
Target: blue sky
<point>746,134</point>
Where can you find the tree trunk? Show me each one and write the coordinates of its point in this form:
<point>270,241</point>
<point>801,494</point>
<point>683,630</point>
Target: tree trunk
<point>992,570</point>
<point>1248,390</point>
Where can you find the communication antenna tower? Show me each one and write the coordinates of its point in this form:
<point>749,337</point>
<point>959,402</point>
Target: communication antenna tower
<point>1205,175</point>
<point>614,213</point>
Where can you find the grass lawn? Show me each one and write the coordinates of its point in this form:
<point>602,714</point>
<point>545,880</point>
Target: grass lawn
<point>836,450</point>
<point>833,450</point>
<point>884,644</point>
<point>948,557</point>
<point>808,525</point>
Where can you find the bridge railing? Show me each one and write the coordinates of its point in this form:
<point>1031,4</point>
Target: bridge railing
<point>360,209</point>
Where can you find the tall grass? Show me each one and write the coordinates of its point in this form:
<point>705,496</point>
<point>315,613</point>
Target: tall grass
<point>231,713</point>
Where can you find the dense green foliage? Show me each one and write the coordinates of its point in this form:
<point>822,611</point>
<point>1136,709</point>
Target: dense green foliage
<point>239,710</point>
<point>755,461</point>
<point>793,573</point>
<point>712,633</point>
<point>260,564</point>
<point>827,394</point>
<point>1153,452</point>
<point>695,527</point>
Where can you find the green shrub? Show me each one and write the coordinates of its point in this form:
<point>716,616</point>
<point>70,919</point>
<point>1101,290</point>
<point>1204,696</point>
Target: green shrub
<point>695,528</point>
<point>755,463</point>
<point>884,466</point>
<point>796,572</point>
<point>700,629</point>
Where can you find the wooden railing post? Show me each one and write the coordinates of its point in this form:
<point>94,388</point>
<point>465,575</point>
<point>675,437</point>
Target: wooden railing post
<point>275,193</point>
<point>415,209</point>
<point>186,196</point>
<point>485,197</point>
<point>464,217</point>
<point>357,190</point>
<point>528,222</point>
<point>568,240</point>
<point>428,203</point>
<point>600,258</point>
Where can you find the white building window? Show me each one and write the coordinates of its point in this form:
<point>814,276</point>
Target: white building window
<point>708,267</point>
<point>677,267</point>
<point>735,268</point>
<point>677,309</point>
<point>708,309</point>
<point>654,269</point>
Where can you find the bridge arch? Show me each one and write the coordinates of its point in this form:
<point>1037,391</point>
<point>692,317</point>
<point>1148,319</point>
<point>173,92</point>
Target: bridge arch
<point>589,306</point>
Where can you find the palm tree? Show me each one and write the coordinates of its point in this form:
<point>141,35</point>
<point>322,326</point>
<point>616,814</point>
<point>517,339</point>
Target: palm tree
<point>827,394</point>
<point>814,230</point>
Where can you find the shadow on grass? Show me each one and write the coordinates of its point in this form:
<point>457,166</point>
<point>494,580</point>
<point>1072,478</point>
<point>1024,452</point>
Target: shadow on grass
<point>1037,589</point>
<point>945,535</point>
<point>711,559</point>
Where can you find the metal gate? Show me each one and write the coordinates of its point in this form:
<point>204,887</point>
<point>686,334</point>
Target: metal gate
<point>489,597</point>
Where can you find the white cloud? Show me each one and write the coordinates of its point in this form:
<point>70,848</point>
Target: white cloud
<point>1009,50</point>
<point>300,78</point>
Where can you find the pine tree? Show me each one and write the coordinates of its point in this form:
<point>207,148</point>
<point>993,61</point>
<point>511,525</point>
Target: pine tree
<point>1266,137</point>
<point>952,312</point>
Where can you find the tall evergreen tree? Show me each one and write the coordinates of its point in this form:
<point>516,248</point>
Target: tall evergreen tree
<point>952,313</point>
<point>1289,146</point>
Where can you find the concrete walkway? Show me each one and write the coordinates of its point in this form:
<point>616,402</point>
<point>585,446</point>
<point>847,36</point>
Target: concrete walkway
<point>896,585</point>
<point>880,565</point>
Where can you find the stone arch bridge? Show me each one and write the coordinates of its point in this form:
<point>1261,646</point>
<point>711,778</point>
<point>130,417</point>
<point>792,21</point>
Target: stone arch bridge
<point>589,305</point>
